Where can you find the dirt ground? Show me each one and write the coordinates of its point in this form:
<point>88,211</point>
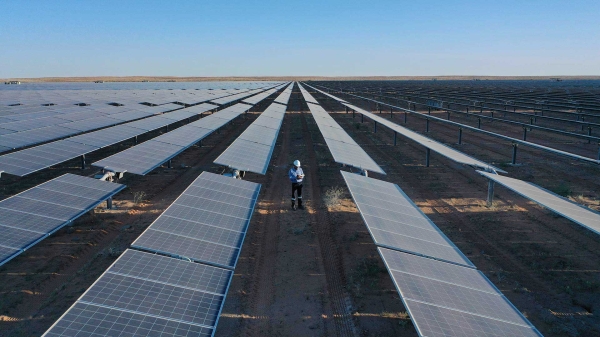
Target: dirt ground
<point>317,272</point>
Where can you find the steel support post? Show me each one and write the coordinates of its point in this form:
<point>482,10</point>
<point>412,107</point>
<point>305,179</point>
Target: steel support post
<point>405,115</point>
<point>448,117</point>
<point>362,118</point>
<point>429,110</point>
<point>479,122</point>
<point>427,153</point>
<point>426,124</point>
<point>514,154</point>
<point>169,164</point>
<point>524,133</point>
<point>583,120</point>
<point>490,196</point>
<point>391,113</point>
<point>135,140</point>
<point>395,137</point>
<point>83,161</point>
<point>346,110</point>
<point>459,136</point>
<point>109,203</point>
<point>589,134</point>
<point>375,127</point>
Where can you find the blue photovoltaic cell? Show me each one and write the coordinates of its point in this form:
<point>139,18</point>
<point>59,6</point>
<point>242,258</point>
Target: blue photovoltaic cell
<point>399,224</point>
<point>451,300</point>
<point>207,223</point>
<point>95,321</point>
<point>29,216</point>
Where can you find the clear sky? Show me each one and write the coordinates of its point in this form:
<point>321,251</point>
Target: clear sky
<point>302,37</point>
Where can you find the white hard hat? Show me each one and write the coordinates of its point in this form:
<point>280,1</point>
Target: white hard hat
<point>297,163</point>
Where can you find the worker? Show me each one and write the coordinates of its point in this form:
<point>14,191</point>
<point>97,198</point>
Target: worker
<point>296,176</point>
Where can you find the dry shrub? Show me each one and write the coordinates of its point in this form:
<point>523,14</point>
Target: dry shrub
<point>333,196</point>
<point>138,197</point>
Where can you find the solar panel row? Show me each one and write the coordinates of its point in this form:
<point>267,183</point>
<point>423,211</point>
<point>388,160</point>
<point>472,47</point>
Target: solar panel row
<point>429,143</point>
<point>30,216</point>
<point>440,287</point>
<point>143,294</point>
<point>147,156</point>
<point>207,223</point>
<point>445,299</point>
<point>581,215</point>
<point>395,222</point>
<point>40,130</point>
<point>252,150</point>
<point>343,148</point>
<point>33,159</point>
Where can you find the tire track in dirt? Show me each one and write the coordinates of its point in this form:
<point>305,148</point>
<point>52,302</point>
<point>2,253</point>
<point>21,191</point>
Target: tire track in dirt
<point>265,251</point>
<point>340,299</point>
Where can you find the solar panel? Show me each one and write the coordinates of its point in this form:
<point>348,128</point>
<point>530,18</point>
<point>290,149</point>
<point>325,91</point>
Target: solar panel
<point>252,150</point>
<point>451,299</point>
<point>207,223</point>
<point>429,143</point>
<point>395,222</point>
<point>342,147</point>
<point>30,216</point>
<point>95,321</point>
<point>579,214</point>
<point>284,97</point>
<point>123,301</point>
<point>145,157</point>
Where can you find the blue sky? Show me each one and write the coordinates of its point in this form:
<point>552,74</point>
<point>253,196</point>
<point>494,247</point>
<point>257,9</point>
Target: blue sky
<point>268,38</point>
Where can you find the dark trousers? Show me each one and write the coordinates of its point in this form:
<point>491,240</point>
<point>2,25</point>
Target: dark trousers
<point>296,187</point>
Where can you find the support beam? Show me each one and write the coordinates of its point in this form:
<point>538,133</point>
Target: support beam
<point>169,164</point>
<point>346,110</point>
<point>459,136</point>
<point>514,154</point>
<point>490,196</point>
<point>479,122</point>
<point>83,161</point>
<point>427,154</point>
<point>589,134</point>
<point>405,115</point>
<point>135,140</point>
<point>375,127</point>
<point>524,133</point>
<point>109,203</point>
<point>395,137</point>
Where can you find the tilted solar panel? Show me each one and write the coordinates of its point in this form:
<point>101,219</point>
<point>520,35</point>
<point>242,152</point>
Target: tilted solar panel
<point>451,300</point>
<point>30,216</point>
<point>123,301</point>
<point>207,223</point>
<point>395,222</point>
<point>579,214</point>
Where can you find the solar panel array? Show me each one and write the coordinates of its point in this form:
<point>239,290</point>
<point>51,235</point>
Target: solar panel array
<point>39,130</point>
<point>33,159</point>
<point>444,299</point>
<point>257,98</point>
<point>207,223</point>
<point>252,150</point>
<point>440,287</point>
<point>343,148</point>
<point>581,215</point>
<point>429,143</point>
<point>144,294</point>
<point>284,98</point>
<point>32,215</point>
<point>395,222</point>
<point>147,156</point>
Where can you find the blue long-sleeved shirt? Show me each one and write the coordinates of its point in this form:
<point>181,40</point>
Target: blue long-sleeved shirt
<point>293,173</point>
